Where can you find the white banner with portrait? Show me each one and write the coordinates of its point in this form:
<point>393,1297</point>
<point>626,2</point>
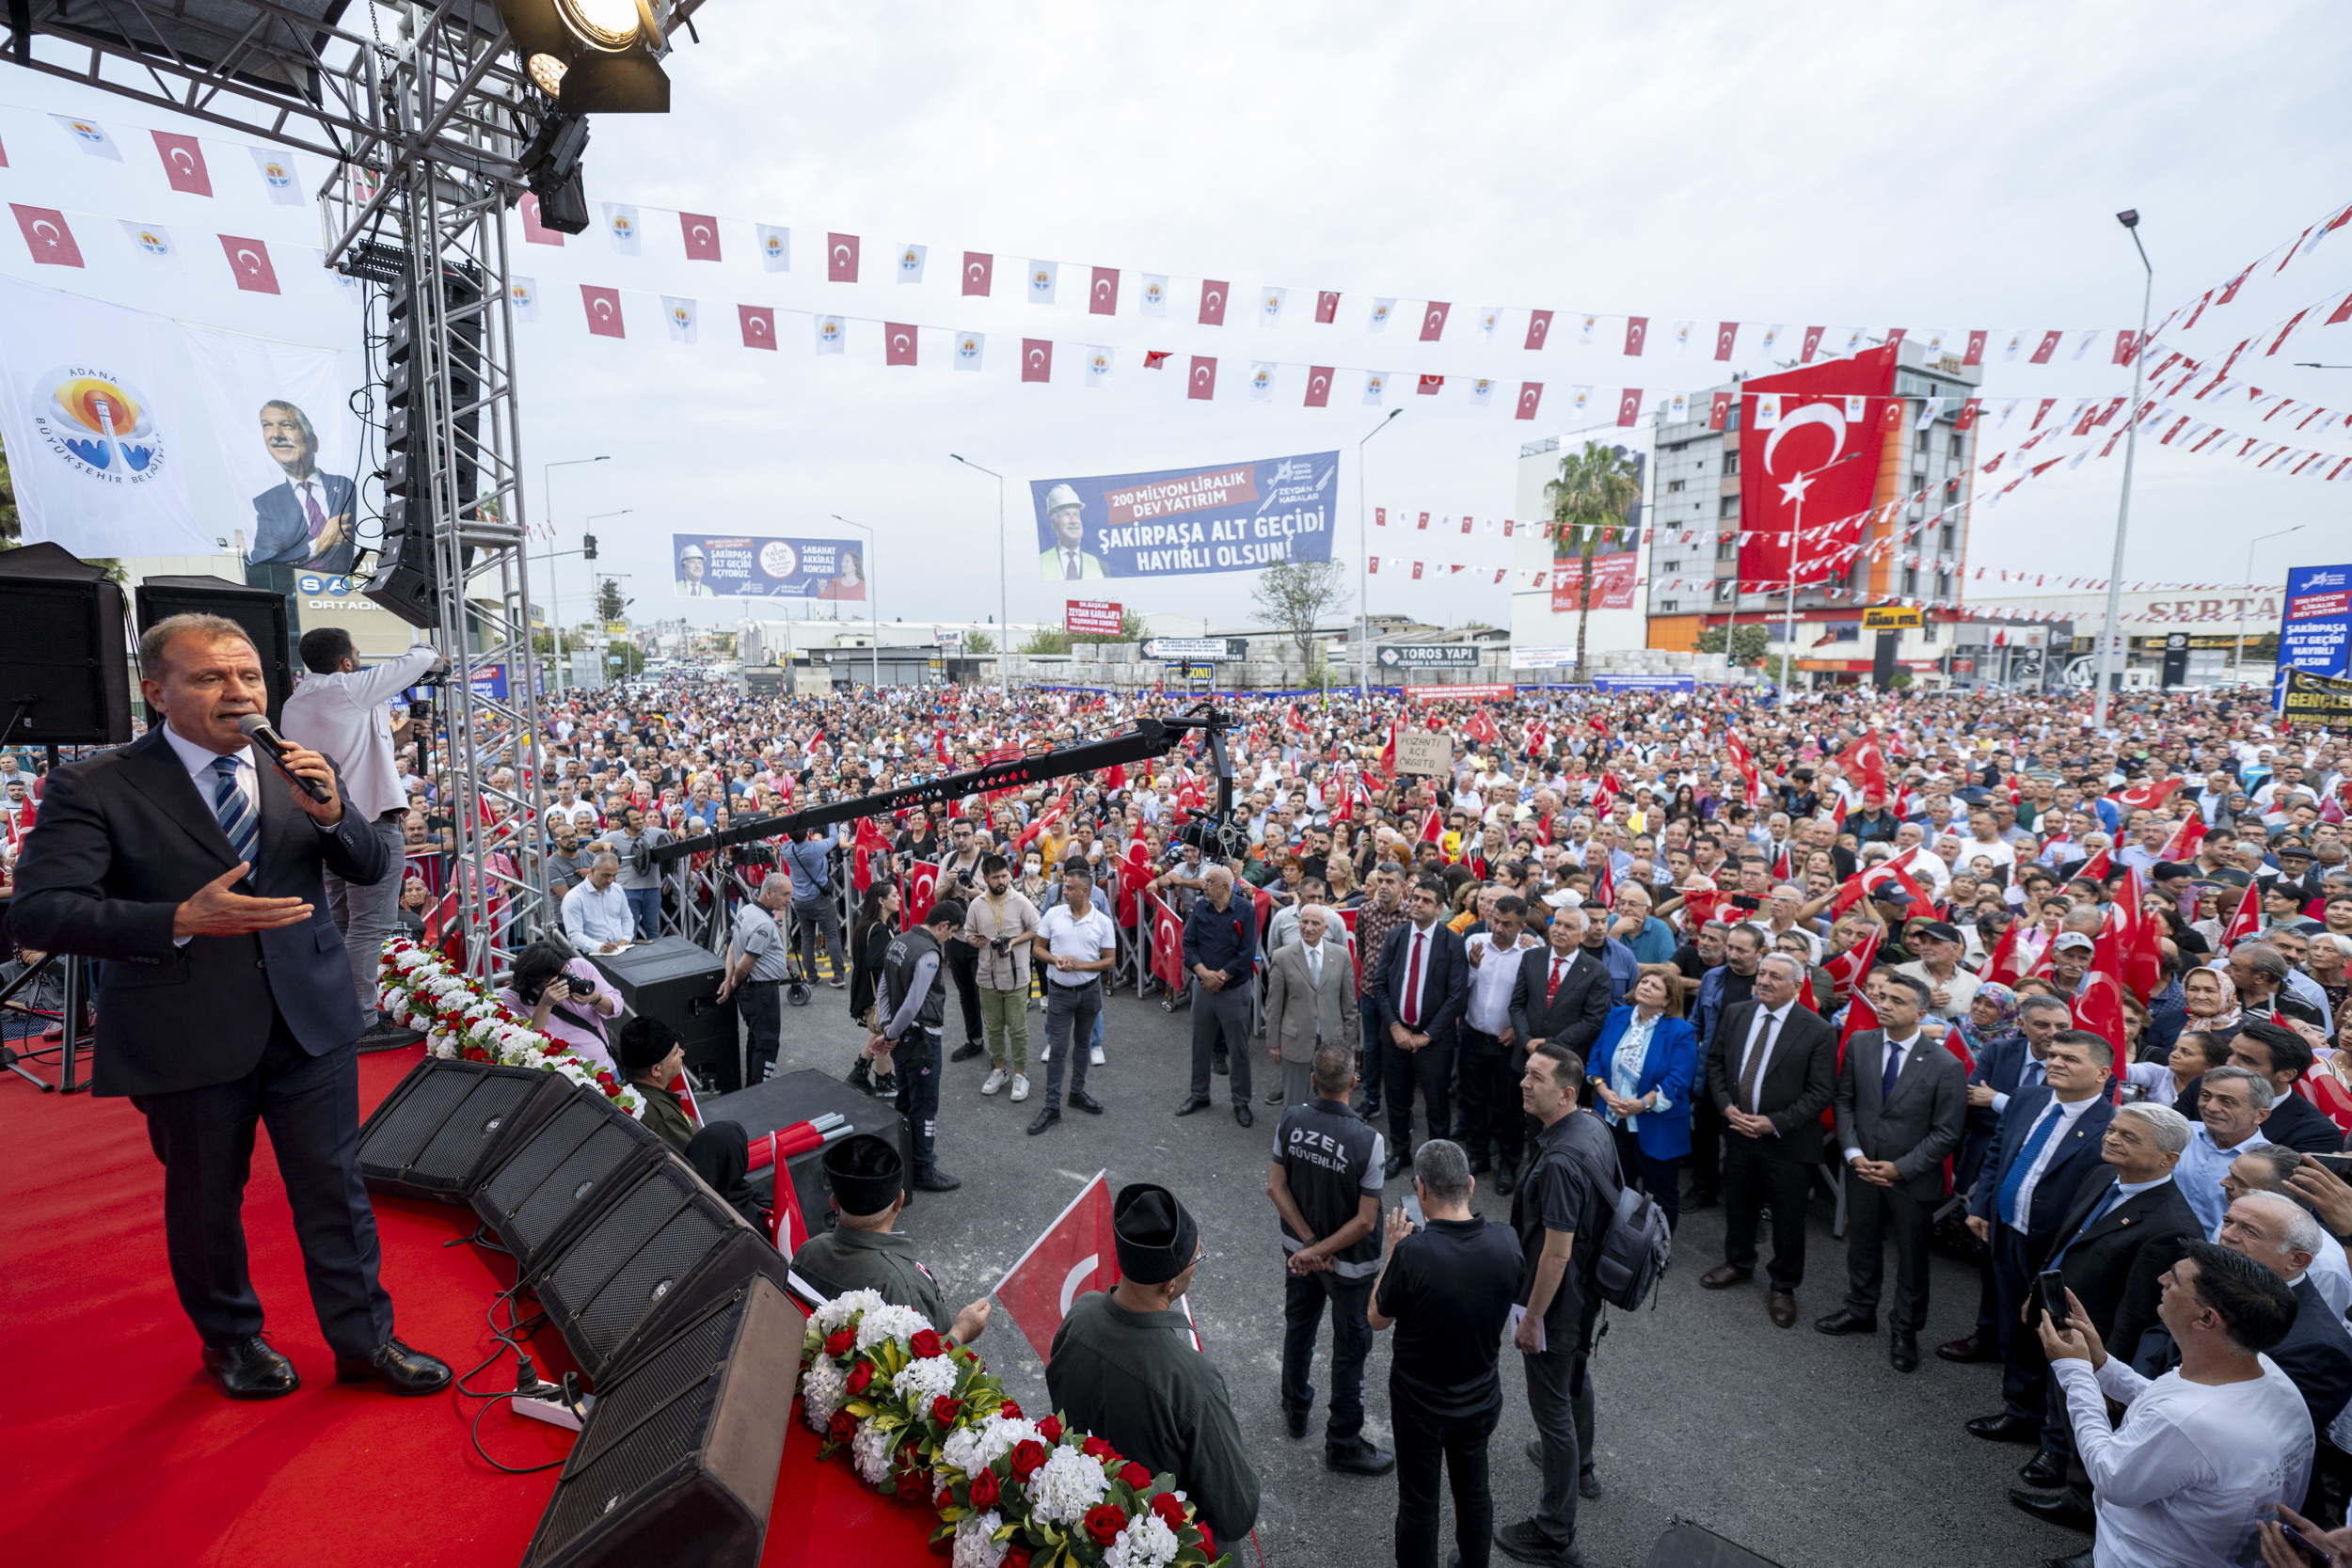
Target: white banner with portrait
<point>97,447</point>
<point>289,443</point>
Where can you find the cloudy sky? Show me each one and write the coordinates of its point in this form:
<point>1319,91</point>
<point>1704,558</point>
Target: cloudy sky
<point>1820,164</point>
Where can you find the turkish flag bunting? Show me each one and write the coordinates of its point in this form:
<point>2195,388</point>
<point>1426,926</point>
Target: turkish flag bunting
<point>1428,386</point>
<point>1318,386</point>
<point>1433,321</point>
<point>1416,571</point>
<point>1967,414</point>
<point>1890,417</point>
<point>1725,334</point>
<point>899,339</point>
<point>183,165</point>
<point>49,241</point>
<point>918,890</point>
<point>534,231</point>
<point>1201,384</point>
<point>2049,346</point>
<point>250,260</point>
<point>1326,307</point>
<point>1976,347</point>
<point>840,257</point>
<point>604,311</point>
<point>1636,331</point>
<point>980,269</point>
<point>1037,358</point>
<point>1812,343</point>
<point>1102,293</point>
<point>1539,328</point>
<point>701,234</point>
<point>759,326</point>
<point>1630,405</point>
<point>1719,411</point>
<point>1530,395</point>
<point>1078,1253</point>
<point>1212,292</point>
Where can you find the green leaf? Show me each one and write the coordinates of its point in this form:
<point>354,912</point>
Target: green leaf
<point>1005,1533</point>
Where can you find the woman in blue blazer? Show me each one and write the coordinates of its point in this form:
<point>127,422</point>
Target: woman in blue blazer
<point>1644,1070</point>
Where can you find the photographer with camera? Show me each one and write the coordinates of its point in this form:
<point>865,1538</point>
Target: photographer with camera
<point>564,999</point>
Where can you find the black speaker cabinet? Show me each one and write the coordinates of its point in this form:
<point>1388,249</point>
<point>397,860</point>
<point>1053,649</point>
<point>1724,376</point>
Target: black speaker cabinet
<point>671,980</point>
<point>449,1122</point>
<point>1689,1545</point>
<point>655,1252</point>
<point>64,668</point>
<point>678,1461</point>
<point>258,611</point>
<point>560,1170</point>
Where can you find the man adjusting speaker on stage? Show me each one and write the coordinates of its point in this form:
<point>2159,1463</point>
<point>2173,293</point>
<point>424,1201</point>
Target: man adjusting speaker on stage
<point>190,864</point>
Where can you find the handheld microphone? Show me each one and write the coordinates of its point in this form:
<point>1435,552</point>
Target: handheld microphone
<point>256,730</point>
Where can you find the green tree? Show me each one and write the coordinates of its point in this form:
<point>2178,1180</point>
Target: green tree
<point>1596,490</point>
<point>979,641</point>
<point>1747,647</point>
<point>1292,597</point>
<point>610,605</point>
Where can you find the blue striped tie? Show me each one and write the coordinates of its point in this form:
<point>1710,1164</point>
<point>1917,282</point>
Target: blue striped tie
<point>235,811</point>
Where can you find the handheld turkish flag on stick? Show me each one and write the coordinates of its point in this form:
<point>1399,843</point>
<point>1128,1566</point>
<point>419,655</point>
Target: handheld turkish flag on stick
<point>1849,969</point>
<point>2248,921</point>
<point>2182,845</point>
<point>2141,942</point>
<point>2007,962</point>
<point>917,892</point>
<point>1168,945</point>
<point>1077,1253</point>
<point>2098,1006</point>
<point>869,844</point>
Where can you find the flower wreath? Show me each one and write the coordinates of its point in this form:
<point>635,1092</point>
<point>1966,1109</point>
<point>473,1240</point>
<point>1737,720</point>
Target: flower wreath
<point>461,1021</point>
<point>923,1419</point>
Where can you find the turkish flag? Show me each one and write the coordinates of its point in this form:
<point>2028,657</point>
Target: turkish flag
<point>1636,331</point>
<point>869,843</point>
<point>978,267</point>
<point>1416,571</point>
<point>534,231</point>
<point>2006,964</point>
<point>184,165</point>
<point>1891,416</point>
<point>2182,845</point>
<point>1867,761</point>
<point>1725,336</point>
<point>701,233</point>
<point>1539,329</point>
<point>1326,307</point>
<point>2049,346</point>
<point>1135,870</point>
<point>49,241</point>
<point>1433,321</point>
<point>604,311</point>
<point>840,257</point>
<point>2148,794</point>
<point>1428,386</point>
<point>2125,341</point>
<point>2247,923</point>
<point>918,890</point>
<point>1078,1253</point>
<point>1037,360</point>
<point>899,340</point>
<point>1976,347</point>
<point>1102,293</point>
<point>250,260</point>
<point>1629,405</point>
<point>1848,971</point>
<point>1168,945</point>
<point>1719,411</point>
<point>2142,939</point>
<point>2099,1006</point>
<point>1482,728</point>
<point>1895,335</point>
<point>1531,394</point>
<point>759,326</point>
<point>1212,292</point>
<point>1812,343</point>
<point>1202,382</point>
<point>1318,386</point>
<point>1967,414</point>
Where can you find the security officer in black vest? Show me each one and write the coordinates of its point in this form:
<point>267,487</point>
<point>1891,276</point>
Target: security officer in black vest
<point>863,1253</point>
<point>1325,1182</point>
<point>913,1000</point>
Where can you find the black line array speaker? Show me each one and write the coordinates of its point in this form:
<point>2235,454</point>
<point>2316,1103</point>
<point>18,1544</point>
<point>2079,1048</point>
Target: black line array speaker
<point>449,1122</point>
<point>65,671</point>
<point>678,1461</point>
<point>659,1249</point>
<point>560,1170</point>
<point>259,610</point>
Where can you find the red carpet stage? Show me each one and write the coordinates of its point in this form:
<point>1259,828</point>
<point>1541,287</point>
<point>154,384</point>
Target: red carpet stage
<point>119,1452</point>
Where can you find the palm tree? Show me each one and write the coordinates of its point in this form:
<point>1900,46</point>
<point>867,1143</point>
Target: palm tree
<point>1596,489</point>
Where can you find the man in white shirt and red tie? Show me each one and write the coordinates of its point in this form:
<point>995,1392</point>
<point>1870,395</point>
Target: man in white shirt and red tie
<point>1424,982</point>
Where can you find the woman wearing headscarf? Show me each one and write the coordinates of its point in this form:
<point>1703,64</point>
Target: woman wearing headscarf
<point>2211,998</point>
<point>1990,1019</point>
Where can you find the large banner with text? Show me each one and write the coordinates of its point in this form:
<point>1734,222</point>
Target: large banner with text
<point>710,566</point>
<point>1233,518</point>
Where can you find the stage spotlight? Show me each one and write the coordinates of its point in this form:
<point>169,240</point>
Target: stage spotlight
<point>596,56</point>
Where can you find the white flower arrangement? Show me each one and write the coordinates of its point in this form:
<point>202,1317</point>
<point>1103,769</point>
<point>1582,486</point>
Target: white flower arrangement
<point>889,1322</point>
<point>822,1389</point>
<point>925,1379</point>
<point>977,1546</point>
<point>1145,1542</point>
<point>870,1451</point>
<point>417,986</point>
<point>841,1310</point>
<point>976,1447</point>
<point>1071,1484</point>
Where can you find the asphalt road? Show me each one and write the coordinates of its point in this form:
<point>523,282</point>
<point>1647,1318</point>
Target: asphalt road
<point>1806,1450</point>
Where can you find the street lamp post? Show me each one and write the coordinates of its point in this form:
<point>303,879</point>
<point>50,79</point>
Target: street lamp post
<point>2238,656</point>
<point>1004,593</point>
<point>546,498</point>
<point>873,594</point>
<point>2108,633</point>
<point>1363,568</point>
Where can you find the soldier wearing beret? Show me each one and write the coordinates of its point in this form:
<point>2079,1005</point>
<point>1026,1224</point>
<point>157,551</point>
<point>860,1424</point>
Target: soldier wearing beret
<point>1124,1367</point>
<point>864,1252</point>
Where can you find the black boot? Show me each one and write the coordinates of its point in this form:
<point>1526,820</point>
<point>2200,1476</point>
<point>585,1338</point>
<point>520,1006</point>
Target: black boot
<point>861,1076</point>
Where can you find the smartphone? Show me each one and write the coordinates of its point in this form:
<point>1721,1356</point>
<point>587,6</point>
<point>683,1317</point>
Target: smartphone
<point>2296,1539</point>
<point>2049,1289</point>
<point>2340,1165</point>
<point>1746,901</point>
<point>1412,1210</point>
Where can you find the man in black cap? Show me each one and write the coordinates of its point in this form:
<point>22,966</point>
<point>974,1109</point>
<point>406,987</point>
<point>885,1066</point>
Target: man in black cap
<point>863,1253</point>
<point>651,1059</point>
<point>1124,1367</point>
<point>913,1000</point>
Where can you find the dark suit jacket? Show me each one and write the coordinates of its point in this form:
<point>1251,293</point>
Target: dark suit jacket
<point>1798,1082</point>
<point>2297,1123</point>
<point>1998,1068</point>
<point>2069,1167</point>
<point>1917,1125</point>
<point>2113,1267</point>
<point>1447,992</point>
<point>2316,1353</point>
<point>1575,1015</point>
<point>125,838</point>
<point>282,530</point>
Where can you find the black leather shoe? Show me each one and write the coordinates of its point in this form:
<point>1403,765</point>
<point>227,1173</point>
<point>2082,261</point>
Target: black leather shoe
<point>1219,1066</point>
<point>1525,1543</point>
<point>250,1370</point>
<point>1395,1166</point>
<point>1481,1165</point>
<point>861,1076</point>
<point>965,1052</point>
<point>1044,1119</point>
<point>1360,1457</point>
<point>1296,1421</point>
<point>1904,1352</point>
<point>1845,1322</point>
<point>1587,1484</point>
<point>1242,1113</point>
<point>2005,1428</point>
<point>935,1180</point>
<point>1369,1109</point>
<point>1966,1351</point>
<point>1704,1199</point>
<point>1506,1178</point>
<point>405,1371</point>
<point>2044,1470</point>
<point>1199,1103</point>
<point>2061,1510</point>
<point>1081,1101</point>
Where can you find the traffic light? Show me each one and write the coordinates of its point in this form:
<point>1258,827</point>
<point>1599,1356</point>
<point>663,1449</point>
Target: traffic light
<point>588,547</point>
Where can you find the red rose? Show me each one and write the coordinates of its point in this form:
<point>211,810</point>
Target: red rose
<point>1135,1476</point>
<point>927,1344</point>
<point>1010,1411</point>
<point>944,1410</point>
<point>1028,1458</point>
<point>1051,1428</point>
<point>860,1375</point>
<point>943,1501</point>
<point>1208,1542</point>
<point>911,1486</point>
<point>1171,1508</point>
<point>1095,1447</point>
<point>1104,1521</point>
<point>844,1426</point>
<point>839,1341</point>
<point>1016,1556</point>
<point>984,1490</point>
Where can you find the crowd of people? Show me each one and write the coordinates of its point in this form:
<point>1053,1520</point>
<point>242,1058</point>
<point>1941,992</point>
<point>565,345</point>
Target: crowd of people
<point>2069,1002</point>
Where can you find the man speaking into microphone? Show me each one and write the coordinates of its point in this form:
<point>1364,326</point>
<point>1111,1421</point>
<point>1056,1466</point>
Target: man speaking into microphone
<point>190,866</point>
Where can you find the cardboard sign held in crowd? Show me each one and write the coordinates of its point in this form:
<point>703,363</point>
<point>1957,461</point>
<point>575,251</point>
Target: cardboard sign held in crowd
<point>1423,751</point>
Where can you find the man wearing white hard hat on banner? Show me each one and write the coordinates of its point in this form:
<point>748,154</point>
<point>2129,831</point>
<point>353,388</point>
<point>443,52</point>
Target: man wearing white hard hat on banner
<point>1067,562</point>
<point>689,573</point>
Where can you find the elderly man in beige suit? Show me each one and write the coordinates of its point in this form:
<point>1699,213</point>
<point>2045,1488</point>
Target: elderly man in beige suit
<point>1310,996</point>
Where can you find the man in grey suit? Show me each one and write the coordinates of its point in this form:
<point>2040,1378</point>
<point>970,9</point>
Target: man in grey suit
<point>1310,997</point>
<point>1901,1107</point>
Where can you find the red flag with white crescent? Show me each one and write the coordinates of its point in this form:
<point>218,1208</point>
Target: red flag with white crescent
<point>918,890</point>
<point>1077,1253</point>
<point>863,849</point>
<point>1168,945</point>
<point>2182,845</point>
<point>2247,923</point>
<point>1135,870</point>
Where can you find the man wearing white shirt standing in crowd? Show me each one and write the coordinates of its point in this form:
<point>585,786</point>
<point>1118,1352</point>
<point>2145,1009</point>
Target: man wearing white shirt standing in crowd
<point>341,711</point>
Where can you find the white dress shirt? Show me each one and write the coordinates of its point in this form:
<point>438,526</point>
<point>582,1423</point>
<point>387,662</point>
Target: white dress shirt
<point>1491,979</point>
<point>342,717</point>
<point>2051,1148</point>
<point>591,919</point>
<point>198,761</point>
<point>1763,1035</point>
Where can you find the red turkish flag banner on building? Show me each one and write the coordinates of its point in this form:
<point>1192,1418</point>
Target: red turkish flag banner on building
<point>700,231</point>
<point>534,231</point>
<point>1630,405</point>
<point>1725,334</point>
<point>899,340</point>
<point>1167,945</point>
<point>1967,414</point>
<point>1636,334</point>
<point>48,238</point>
<point>2049,346</point>
<point>980,269</point>
<point>184,165</point>
<point>1078,1253</point>
<point>1212,292</point>
<point>1719,411</point>
<point>1433,321</point>
<point>1326,307</point>
<point>1201,384</point>
<point>1103,292</point>
<point>840,257</point>
<point>1037,360</point>
<point>1812,343</point>
<point>1530,395</point>
<point>918,890</point>
<point>1974,354</point>
<point>1539,329</point>
<point>759,326</point>
<point>250,260</point>
<point>1318,386</point>
<point>604,311</point>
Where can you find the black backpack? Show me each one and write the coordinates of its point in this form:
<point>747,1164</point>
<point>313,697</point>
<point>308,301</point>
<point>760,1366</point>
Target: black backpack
<point>1634,1251</point>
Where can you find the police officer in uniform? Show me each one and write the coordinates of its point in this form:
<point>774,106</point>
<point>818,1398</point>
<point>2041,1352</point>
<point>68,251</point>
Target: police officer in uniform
<point>1325,1183</point>
<point>755,971</point>
<point>864,1252</point>
<point>1124,1368</point>
<point>913,1000</point>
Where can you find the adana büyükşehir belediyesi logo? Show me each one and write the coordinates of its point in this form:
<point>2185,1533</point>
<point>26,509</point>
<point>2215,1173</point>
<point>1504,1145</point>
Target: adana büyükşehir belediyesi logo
<point>96,424</point>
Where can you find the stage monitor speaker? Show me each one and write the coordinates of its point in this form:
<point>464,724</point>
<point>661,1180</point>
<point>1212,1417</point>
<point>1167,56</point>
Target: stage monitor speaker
<point>261,611</point>
<point>446,1124</point>
<point>654,1253</point>
<point>64,668</point>
<point>560,1170</point>
<point>672,979</point>
<point>678,1462</point>
<point>1688,1545</point>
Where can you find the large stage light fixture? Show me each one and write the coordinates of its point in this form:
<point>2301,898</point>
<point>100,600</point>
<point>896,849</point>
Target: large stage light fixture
<point>596,56</point>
